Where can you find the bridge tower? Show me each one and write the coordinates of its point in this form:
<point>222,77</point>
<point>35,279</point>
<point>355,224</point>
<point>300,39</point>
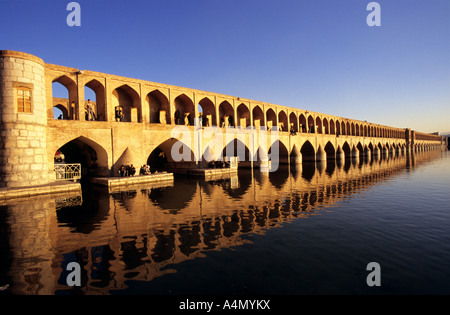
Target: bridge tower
<point>23,120</point>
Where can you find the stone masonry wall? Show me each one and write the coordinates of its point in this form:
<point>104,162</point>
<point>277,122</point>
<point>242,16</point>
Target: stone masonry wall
<point>23,135</point>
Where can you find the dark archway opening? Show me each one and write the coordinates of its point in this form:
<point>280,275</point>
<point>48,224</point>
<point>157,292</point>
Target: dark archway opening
<point>77,151</point>
<point>157,161</point>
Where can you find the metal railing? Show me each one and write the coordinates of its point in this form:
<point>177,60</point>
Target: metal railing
<point>68,171</point>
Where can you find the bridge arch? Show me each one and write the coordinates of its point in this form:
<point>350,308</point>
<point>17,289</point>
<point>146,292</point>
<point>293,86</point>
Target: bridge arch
<point>184,110</point>
<point>208,112</point>
<point>311,124</point>
<point>91,155</point>
<point>64,111</point>
<point>159,107</point>
<point>271,118</point>
<point>303,123</point>
<point>346,149</point>
<point>326,126</point>
<point>330,151</point>
<point>319,125</point>
<point>172,153</point>
<point>258,117</point>
<point>66,88</point>
<point>293,122</point>
<point>237,148</point>
<point>99,91</point>
<point>308,152</point>
<point>283,154</point>
<point>226,114</point>
<point>243,116</point>
<point>282,121</point>
<point>332,127</point>
<point>128,100</point>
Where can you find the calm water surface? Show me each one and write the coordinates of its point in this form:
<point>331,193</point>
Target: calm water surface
<point>302,230</point>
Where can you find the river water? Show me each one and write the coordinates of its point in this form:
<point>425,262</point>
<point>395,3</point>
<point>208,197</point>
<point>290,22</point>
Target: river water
<point>308,229</point>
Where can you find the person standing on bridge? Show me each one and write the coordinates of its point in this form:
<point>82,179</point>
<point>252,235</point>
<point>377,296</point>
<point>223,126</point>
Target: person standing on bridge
<point>90,115</point>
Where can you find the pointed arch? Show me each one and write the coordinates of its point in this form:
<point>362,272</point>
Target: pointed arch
<point>90,154</point>
<point>208,111</point>
<point>99,90</point>
<point>311,124</point>
<point>326,126</point>
<point>243,116</point>
<point>308,152</point>
<point>330,151</point>
<point>319,125</point>
<point>126,98</point>
<point>332,127</point>
<point>271,118</point>
<point>159,107</point>
<point>303,123</point>
<point>226,114</point>
<point>258,117</point>
<point>184,110</point>
<point>282,121</point>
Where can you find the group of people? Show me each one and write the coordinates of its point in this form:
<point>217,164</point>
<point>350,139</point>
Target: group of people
<point>127,170</point>
<point>130,170</point>
<point>90,113</point>
<point>218,164</point>
<point>145,170</point>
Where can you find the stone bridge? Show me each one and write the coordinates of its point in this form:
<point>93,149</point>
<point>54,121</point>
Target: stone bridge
<point>165,126</point>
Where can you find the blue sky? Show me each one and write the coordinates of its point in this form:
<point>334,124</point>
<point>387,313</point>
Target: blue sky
<point>317,55</point>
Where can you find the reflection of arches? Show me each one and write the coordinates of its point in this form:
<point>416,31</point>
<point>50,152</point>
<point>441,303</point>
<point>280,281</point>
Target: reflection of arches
<point>158,103</point>
<point>174,198</point>
<point>208,112</point>
<point>308,152</point>
<point>128,99</point>
<point>241,190</point>
<point>279,178</point>
<point>92,156</point>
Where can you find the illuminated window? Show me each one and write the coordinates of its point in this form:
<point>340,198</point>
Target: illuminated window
<point>23,100</point>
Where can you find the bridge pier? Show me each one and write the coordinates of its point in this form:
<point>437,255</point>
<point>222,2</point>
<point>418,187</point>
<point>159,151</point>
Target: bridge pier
<point>340,156</point>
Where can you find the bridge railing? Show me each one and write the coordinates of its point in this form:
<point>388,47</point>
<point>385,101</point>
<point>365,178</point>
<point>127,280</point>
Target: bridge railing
<point>68,171</point>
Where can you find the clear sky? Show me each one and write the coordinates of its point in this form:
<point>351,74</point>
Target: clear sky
<point>318,55</point>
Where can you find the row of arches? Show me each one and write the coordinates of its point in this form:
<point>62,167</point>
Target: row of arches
<point>94,158</point>
<point>185,112</point>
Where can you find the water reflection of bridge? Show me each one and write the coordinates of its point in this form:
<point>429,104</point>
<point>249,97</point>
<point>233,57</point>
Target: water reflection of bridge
<point>137,234</point>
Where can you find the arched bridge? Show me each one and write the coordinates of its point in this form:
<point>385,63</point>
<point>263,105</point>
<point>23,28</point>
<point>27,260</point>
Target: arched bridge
<point>156,117</point>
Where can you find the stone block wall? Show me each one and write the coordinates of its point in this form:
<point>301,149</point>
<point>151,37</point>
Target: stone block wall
<point>22,135</point>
